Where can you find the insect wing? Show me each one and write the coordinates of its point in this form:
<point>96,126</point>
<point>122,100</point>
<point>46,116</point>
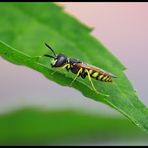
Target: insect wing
<point>97,69</point>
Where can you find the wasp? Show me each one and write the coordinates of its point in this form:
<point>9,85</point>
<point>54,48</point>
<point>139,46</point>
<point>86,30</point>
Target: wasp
<point>79,68</point>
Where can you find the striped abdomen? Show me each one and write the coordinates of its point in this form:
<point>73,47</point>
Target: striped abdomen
<point>94,72</point>
<point>99,75</point>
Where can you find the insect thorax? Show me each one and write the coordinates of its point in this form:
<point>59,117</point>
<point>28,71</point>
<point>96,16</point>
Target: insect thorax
<point>73,61</point>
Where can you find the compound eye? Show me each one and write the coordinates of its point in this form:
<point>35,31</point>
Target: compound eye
<point>59,61</point>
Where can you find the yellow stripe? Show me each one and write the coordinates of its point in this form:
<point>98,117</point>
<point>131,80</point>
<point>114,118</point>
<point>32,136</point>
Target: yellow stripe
<point>108,79</point>
<point>104,78</point>
<point>68,65</point>
<point>95,74</point>
<point>90,72</point>
<point>101,76</point>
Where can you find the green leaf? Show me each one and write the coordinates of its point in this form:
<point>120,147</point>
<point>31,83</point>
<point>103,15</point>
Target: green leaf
<point>24,27</point>
<point>35,126</point>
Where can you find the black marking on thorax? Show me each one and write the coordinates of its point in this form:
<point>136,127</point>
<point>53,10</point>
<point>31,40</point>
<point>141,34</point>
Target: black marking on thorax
<point>74,69</point>
<point>74,60</point>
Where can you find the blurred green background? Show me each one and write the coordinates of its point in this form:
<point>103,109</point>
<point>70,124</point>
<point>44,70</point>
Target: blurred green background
<point>34,126</point>
<point>35,111</point>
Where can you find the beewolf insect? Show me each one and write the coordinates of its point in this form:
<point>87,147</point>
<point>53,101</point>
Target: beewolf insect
<point>79,68</point>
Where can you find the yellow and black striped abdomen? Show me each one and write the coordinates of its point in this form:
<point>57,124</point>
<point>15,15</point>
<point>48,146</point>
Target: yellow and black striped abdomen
<point>99,75</point>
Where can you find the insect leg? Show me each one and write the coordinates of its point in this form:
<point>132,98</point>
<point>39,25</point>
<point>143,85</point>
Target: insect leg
<point>54,72</point>
<point>80,70</point>
<point>66,65</point>
<point>89,78</point>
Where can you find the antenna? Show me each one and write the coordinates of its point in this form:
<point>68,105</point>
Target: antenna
<point>50,49</point>
<point>46,55</point>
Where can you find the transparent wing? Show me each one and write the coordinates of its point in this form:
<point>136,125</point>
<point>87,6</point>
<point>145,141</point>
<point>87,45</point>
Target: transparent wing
<point>97,69</point>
